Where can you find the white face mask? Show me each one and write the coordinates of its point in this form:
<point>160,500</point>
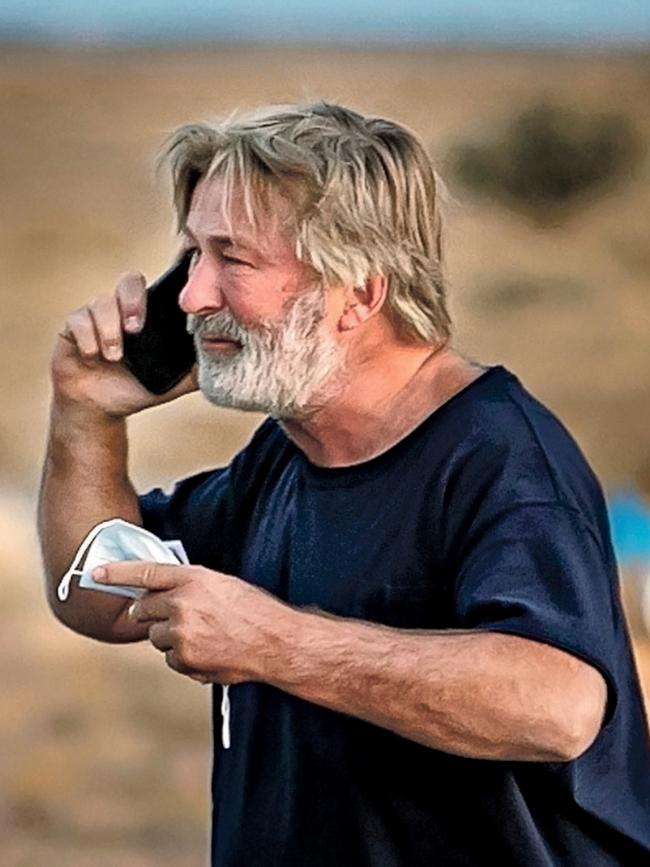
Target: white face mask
<point>115,540</point>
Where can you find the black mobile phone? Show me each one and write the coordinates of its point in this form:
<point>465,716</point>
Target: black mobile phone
<point>162,352</point>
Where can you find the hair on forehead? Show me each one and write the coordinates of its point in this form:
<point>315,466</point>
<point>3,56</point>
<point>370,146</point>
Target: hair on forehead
<point>250,202</point>
<point>363,197</point>
<point>241,177</point>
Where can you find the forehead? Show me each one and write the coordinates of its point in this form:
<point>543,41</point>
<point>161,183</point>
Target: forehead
<point>214,212</point>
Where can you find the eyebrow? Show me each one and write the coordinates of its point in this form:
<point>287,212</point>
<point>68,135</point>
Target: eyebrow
<point>226,240</point>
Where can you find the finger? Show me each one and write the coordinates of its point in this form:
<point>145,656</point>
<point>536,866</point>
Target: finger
<point>174,663</point>
<point>132,301</point>
<point>160,636</point>
<point>106,316</point>
<point>141,573</point>
<point>188,384</point>
<point>66,334</point>
<point>154,605</point>
<point>80,329</point>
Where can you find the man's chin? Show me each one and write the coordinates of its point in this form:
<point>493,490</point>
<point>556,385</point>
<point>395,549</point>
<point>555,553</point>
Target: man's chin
<point>226,399</point>
<point>229,401</point>
<point>222,388</point>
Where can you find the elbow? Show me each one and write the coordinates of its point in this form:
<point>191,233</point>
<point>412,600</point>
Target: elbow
<point>98,619</point>
<point>68,615</point>
<point>58,609</point>
<point>579,720</point>
<point>63,611</point>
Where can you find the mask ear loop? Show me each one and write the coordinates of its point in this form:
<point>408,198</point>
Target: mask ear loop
<point>63,590</point>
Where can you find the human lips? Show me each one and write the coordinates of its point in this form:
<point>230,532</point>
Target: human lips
<point>212,342</point>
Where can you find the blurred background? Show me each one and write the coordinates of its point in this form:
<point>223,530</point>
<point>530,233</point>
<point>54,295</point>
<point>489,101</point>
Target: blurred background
<point>537,116</point>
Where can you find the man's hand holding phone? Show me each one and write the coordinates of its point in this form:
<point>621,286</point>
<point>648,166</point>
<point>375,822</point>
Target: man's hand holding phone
<point>111,346</point>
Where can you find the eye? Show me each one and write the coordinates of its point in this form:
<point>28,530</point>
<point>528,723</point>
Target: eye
<point>194,254</point>
<point>236,261</point>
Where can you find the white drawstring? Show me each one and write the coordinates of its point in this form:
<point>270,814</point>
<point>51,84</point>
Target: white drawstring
<point>63,591</point>
<point>225,717</point>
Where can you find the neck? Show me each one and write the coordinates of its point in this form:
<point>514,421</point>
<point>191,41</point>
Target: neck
<point>382,399</point>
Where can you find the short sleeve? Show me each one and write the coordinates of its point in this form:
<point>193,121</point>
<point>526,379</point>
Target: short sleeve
<point>162,511</point>
<point>208,511</point>
<point>198,511</point>
<point>538,571</point>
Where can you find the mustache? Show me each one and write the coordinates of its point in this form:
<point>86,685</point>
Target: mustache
<point>217,325</point>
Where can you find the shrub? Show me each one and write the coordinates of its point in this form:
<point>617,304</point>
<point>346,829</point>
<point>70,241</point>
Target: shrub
<point>548,159</point>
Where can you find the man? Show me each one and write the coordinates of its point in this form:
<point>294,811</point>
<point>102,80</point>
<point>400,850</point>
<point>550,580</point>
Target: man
<point>406,575</point>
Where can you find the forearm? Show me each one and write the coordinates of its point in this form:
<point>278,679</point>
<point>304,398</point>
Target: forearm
<point>84,481</point>
<point>480,695</point>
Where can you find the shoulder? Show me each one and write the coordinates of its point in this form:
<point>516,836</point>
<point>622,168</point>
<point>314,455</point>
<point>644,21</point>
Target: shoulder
<point>512,449</point>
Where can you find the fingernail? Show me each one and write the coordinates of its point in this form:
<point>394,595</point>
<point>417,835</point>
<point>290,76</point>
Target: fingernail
<point>99,574</point>
<point>132,323</point>
<point>132,609</point>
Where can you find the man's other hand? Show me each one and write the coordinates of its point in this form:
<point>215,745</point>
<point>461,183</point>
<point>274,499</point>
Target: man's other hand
<point>210,626</point>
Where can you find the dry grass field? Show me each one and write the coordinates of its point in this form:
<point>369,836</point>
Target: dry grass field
<point>104,754</point>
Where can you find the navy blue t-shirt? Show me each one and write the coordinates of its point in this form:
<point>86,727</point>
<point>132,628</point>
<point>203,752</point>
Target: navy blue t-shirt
<point>487,517</point>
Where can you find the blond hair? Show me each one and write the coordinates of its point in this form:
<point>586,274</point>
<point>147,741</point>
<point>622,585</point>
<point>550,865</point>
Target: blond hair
<point>365,197</point>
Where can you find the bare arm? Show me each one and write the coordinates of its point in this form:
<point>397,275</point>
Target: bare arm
<point>84,481</point>
<point>85,475</point>
<point>482,695</point>
<point>478,694</point>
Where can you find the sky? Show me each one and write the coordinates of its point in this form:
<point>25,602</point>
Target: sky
<point>349,21</point>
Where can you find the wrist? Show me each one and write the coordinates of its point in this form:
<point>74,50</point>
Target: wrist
<point>278,644</point>
<point>72,418</point>
<point>84,437</point>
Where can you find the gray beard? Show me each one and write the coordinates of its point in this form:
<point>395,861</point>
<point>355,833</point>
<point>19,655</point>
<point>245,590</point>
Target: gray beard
<point>287,369</point>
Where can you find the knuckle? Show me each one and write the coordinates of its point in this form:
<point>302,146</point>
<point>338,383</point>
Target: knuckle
<point>87,352</point>
<point>149,575</point>
<point>198,573</point>
<point>184,651</point>
<point>182,656</point>
<point>179,624</point>
<point>78,317</point>
<point>171,602</point>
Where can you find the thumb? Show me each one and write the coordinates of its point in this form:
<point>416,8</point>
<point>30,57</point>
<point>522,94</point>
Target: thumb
<point>187,385</point>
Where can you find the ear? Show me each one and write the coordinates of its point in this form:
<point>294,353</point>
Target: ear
<point>363,302</point>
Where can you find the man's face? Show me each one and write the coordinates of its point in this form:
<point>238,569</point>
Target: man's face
<point>258,314</point>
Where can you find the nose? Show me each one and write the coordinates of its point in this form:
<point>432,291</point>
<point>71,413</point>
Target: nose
<point>201,294</point>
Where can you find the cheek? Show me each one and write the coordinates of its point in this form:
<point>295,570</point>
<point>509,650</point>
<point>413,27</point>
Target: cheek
<point>251,297</point>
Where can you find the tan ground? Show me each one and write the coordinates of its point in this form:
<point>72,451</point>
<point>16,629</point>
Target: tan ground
<point>103,753</point>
